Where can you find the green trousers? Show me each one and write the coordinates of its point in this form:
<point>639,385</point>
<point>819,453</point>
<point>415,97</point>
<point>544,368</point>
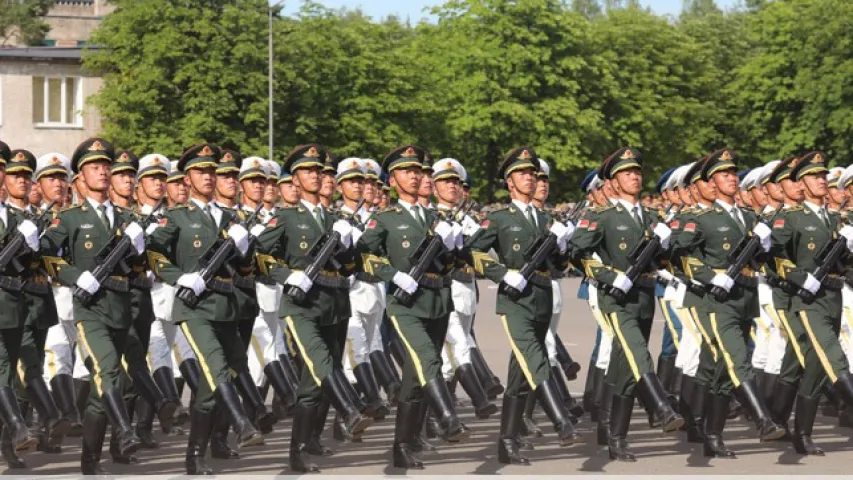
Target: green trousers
<point>216,346</point>
<point>423,339</point>
<point>724,361</point>
<point>32,353</point>
<point>318,346</point>
<point>528,363</point>
<point>629,357</point>
<point>10,347</point>
<point>106,346</point>
<point>813,353</point>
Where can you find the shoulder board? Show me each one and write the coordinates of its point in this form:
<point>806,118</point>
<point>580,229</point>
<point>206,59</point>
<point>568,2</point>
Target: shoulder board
<point>389,209</point>
<point>603,208</point>
<point>703,211</point>
<point>501,208</point>
<point>177,207</point>
<point>70,207</point>
<point>798,208</point>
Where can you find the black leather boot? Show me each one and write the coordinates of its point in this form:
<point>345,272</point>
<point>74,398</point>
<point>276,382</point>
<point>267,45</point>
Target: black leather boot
<point>749,397</point>
<point>620,421</point>
<point>82,390</point>
<point>529,427</point>
<point>12,418</point>
<point>844,387</point>
<point>303,425</point>
<point>830,406</point>
<point>275,373</point>
<point>658,402</point>
<point>575,410</point>
<point>8,450</point>
<point>804,416</point>
<point>782,405</point>
<point>491,384</point>
<point>385,375</point>
<point>229,402</point>
<point>567,363</point>
<point>592,393</point>
<point>145,423</point>
<point>256,411</point>
<point>397,351</point>
<point>127,443</point>
<point>354,421</point>
<point>467,376</point>
<point>218,433</point>
<point>62,387</point>
<point>717,408</point>
<point>768,388</point>
<point>56,425</point>
<point>666,373</point>
<point>164,377</point>
<point>200,428</point>
<point>315,444</point>
<point>147,388</point>
<point>438,398</point>
<point>418,442</point>
<point>191,373</point>
<point>115,450</point>
<point>290,370</point>
<point>511,417</point>
<point>692,406</point>
<point>340,434</point>
<point>94,432</point>
<point>602,428</point>
<point>407,426</point>
<point>367,383</point>
<point>552,403</point>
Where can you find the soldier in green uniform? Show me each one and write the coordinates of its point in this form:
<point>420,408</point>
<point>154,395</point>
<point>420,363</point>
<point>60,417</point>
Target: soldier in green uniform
<point>814,312</point>
<point>177,249</point>
<point>511,231</point>
<point>706,240</point>
<point>41,313</point>
<point>288,239</point>
<point>613,232</point>
<point>390,249</point>
<point>83,231</point>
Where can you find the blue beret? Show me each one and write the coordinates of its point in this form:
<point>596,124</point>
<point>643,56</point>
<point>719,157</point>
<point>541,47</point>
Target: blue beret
<point>663,179</point>
<point>588,179</point>
<point>742,174</point>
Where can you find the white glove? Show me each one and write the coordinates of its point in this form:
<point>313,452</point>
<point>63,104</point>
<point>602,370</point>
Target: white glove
<point>723,281</point>
<point>469,226</point>
<point>299,279</point>
<point>665,276</point>
<point>151,227</point>
<point>257,229</point>
<point>445,231</point>
<point>345,229</point>
<point>88,282</point>
<point>405,282</point>
<point>150,275</point>
<point>623,283</point>
<point>31,234</point>
<point>515,280</point>
<point>193,281</point>
<point>563,232</point>
<point>847,233</point>
<point>762,231</point>
<point>663,233</point>
<point>356,234</point>
<point>457,235</point>
<point>240,236</point>
<point>137,237</point>
<point>811,284</point>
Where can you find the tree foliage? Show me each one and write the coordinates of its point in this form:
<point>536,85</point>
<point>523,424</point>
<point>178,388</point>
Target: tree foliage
<point>21,21</point>
<point>575,79</point>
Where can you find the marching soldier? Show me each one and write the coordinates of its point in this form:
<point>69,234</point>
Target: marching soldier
<point>390,241</point>
<point>612,232</point>
<point>103,324</point>
<point>313,320</point>
<point>176,249</point>
<point>289,192</point>
<point>511,231</point>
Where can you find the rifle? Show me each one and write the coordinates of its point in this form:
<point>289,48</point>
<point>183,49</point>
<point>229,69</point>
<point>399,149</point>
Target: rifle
<point>427,257</point>
<point>320,254</point>
<point>112,258</point>
<point>575,212</point>
<point>220,257</point>
<point>741,256</point>
<point>833,252</point>
<point>14,248</point>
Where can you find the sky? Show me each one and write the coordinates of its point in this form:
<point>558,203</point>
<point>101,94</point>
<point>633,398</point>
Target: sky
<point>414,9</point>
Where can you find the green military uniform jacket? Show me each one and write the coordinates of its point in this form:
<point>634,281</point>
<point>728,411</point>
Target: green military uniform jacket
<point>179,243</point>
<point>389,245</point>
<point>612,233</point>
<point>14,309</point>
<point>284,246</point>
<point>37,289</point>
<point>508,231</point>
<point>79,232</point>
<point>244,278</point>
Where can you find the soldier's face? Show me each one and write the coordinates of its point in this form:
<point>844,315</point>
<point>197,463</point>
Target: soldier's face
<point>543,188</point>
<point>448,190</point>
<point>706,190</point>
<point>307,179</point>
<point>153,186</point>
<point>327,187</point>
<point>523,181</point>
<point>18,185</point>
<point>289,193</point>
<point>408,180</point>
<point>201,181</point>
<point>369,190</point>
<point>726,182</point>
<point>629,181</point>
<point>122,183</point>
<point>271,191</point>
<point>96,176</point>
<point>598,197</point>
<point>54,187</point>
<point>352,188</point>
<point>177,192</point>
<point>226,185</point>
<point>792,190</point>
<point>35,194</point>
<point>253,188</point>
<point>836,195</point>
<point>426,187</point>
<point>759,199</point>
<point>816,184</point>
<point>684,194</point>
<point>773,191</point>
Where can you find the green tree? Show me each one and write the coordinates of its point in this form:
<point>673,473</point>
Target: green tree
<point>21,21</point>
<point>590,9</point>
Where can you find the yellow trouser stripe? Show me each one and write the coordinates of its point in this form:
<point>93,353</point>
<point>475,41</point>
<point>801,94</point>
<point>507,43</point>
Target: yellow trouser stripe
<point>305,357</point>
<point>259,352</point>
<point>601,321</point>
<point>452,358</point>
<point>177,353</point>
<point>415,359</point>
<point>818,348</point>
<point>664,305</point>
<point>351,353</point>
<point>522,362</point>
<point>51,362</point>
<point>288,338</point>
<point>21,373</point>
<point>149,361</point>
<point>97,375</point>
<point>687,321</point>
<point>705,335</point>
<point>628,353</point>
<point>730,365</point>
<point>752,333</point>
<point>792,339</point>
<point>201,361</point>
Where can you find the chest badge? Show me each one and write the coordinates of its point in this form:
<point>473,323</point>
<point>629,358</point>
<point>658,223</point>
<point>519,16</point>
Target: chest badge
<point>88,245</point>
<point>406,244</point>
<point>197,243</point>
<point>727,246</point>
<point>811,246</point>
<point>516,247</point>
<point>623,246</point>
<point>303,245</point>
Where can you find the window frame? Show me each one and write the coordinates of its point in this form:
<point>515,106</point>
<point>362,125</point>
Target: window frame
<point>78,102</point>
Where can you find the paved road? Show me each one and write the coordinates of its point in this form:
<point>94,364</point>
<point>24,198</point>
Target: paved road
<point>656,454</point>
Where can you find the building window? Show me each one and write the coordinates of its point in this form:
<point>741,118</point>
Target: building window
<point>57,101</point>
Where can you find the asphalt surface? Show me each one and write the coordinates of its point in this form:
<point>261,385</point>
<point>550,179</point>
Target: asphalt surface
<point>656,454</point>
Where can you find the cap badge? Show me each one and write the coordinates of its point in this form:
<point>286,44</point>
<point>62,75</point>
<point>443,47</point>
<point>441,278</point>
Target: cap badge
<point>726,156</point>
<point>410,152</point>
<point>817,159</point>
<point>97,146</point>
<point>627,155</point>
<point>312,153</point>
<point>525,155</point>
